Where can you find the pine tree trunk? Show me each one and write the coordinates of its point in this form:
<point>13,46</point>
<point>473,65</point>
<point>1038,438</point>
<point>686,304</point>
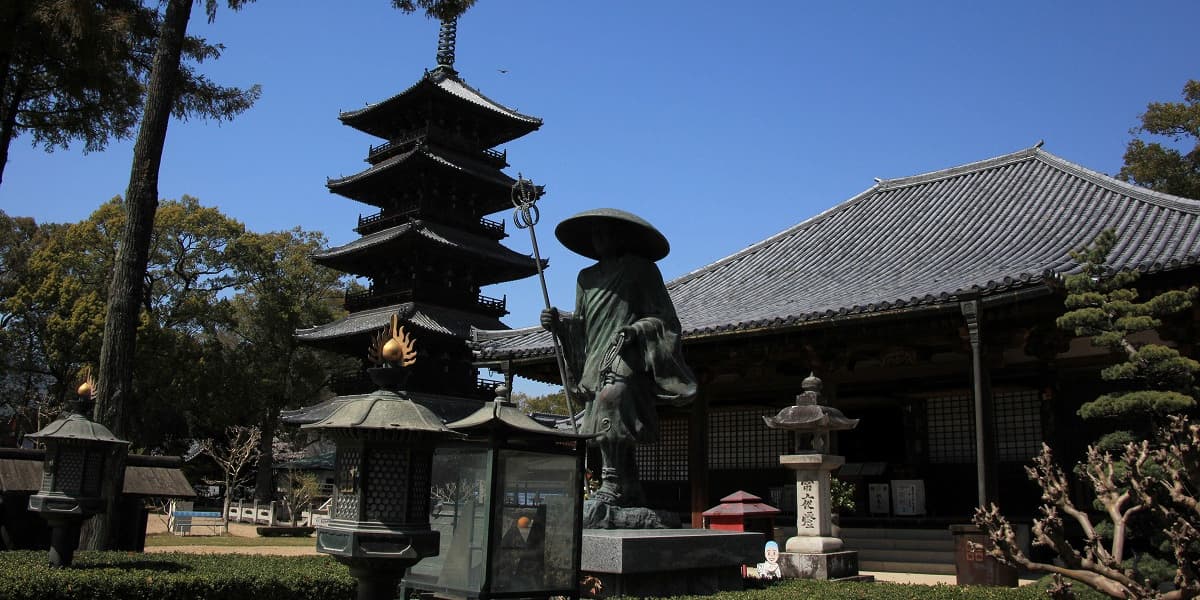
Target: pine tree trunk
<point>8,118</point>
<point>264,482</point>
<point>12,18</point>
<point>115,387</point>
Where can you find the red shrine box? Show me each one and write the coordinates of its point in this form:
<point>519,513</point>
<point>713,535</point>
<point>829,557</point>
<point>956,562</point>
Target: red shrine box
<point>741,511</point>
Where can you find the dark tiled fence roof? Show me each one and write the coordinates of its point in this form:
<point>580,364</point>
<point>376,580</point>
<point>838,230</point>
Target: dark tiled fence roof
<point>983,228</point>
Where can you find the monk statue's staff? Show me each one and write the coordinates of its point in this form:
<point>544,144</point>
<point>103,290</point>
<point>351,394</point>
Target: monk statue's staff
<point>525,216</point>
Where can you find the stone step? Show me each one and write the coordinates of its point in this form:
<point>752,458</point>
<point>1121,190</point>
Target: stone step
<point>894,544</point>
<point>928,551</point>
<point>915,556</point>
<point>905,567</point>
<point>895,534</point>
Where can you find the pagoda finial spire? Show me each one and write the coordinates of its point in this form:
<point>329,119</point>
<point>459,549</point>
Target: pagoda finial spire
<point>446,40</point>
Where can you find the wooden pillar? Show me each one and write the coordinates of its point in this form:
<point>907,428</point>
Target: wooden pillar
<point>698,457</point>
<point>985,424</point>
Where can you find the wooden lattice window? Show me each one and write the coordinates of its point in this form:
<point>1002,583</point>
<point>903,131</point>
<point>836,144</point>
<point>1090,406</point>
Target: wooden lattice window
<point>739,439</point>
<point>950,422</point>
<point>1018,425</point>
<point>666,459</point>
<point>951,427</point>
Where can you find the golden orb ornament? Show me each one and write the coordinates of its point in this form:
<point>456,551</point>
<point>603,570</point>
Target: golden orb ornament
<point>393,350</point>
<point>85,389</point>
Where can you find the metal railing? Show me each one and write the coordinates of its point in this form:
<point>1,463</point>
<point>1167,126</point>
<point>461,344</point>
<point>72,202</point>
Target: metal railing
<point>496,228</point>
<point>370,299</point>
<point>384,219</point>
<point>499,306</point>
<point>497,158</point>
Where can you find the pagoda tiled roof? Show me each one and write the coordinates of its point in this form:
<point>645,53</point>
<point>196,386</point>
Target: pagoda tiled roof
<point>374,118</point>
<point>425,317</point>
<point>504,264</point>
<point>1005,225</point>
<point>360,186</point>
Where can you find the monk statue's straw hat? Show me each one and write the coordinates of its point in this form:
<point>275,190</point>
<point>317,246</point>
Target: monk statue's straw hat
<point>640,236</point>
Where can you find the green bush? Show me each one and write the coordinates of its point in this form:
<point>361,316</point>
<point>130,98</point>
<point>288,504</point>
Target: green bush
<point>131,576</point>
<point>805,589</point>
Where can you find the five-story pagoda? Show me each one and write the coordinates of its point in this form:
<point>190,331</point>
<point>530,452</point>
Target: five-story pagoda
<point>430,247</point>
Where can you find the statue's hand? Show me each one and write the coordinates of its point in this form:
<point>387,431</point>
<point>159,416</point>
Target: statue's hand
<point>550,319</point>
<point>627,335</point>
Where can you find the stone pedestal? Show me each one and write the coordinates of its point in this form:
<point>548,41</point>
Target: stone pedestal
<point>829,565</point>
<point>814,552</point>
<point>814,507</point>
<point>668,562</point>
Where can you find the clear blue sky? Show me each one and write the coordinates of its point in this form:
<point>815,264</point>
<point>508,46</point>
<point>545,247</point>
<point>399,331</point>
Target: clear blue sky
<point>721,128</point>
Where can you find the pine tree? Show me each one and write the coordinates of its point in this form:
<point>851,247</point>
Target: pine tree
<point>1151,380</point>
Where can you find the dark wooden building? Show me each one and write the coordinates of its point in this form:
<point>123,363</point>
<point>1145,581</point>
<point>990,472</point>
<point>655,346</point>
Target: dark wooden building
<point>429,246</point>
<point>901,299</point>
<point>146,477</point>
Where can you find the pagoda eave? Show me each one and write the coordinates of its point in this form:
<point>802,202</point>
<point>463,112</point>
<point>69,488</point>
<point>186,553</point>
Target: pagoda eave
<point>423,318</point>
<point>374,185</point>
<point>492,261</point>
<point>445,88</point>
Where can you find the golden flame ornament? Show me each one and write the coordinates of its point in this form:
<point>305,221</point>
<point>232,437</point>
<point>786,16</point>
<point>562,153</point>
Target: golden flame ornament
<point>393,345</point>
<point>88,387</point>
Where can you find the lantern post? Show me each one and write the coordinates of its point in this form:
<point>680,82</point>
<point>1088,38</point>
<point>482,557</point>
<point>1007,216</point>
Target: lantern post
<point>82,456</point>
<point>379,518</point>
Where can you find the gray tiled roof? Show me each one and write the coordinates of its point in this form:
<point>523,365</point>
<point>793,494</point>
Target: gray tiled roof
<point>503,263</point>
<point>435,319</point>
<point>447,83</point>
<point>988,227</point>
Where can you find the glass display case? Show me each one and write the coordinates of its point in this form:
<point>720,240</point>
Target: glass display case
<point>507,503</point>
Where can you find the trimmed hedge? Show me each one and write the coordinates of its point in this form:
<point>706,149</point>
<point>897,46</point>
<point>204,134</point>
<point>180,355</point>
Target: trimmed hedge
<point>804,589</point>
<point>129,576</point>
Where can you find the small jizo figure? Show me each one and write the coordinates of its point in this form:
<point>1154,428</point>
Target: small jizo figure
<point>769,569</point>
<point>621,343</point>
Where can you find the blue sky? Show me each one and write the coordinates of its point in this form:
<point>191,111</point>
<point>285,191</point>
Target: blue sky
<point>721,128</point>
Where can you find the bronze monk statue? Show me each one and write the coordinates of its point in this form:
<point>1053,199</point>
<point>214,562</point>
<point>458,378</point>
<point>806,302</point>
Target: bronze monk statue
<point>622,343</point>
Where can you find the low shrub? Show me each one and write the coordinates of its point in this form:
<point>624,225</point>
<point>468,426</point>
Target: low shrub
<point>802,589</point>
<point>132,576</point>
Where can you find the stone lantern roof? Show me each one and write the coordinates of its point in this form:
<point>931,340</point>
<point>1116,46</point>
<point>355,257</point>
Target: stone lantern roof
<point>72,426</point>
<point>809,415</point>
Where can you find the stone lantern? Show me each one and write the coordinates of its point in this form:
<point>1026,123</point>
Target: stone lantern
<point>379,517</point>
<point>509,508</point>
<point>83,458</point>
<point>813,552</point>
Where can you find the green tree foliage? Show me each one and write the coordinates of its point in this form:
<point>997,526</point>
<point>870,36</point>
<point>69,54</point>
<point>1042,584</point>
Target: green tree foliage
<point>435,9</point>
<point>58,308</point>
<point>553,404</point>
<point>22,377</point>
<point>75,71</point>
<point>215,320</point>
<point>1150,379</point>
<point>1161,167</point>
<point>284,291</point>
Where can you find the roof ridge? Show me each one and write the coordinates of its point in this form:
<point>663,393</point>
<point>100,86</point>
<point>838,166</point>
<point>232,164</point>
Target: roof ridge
<point>1144,194</point>
<point>955,171</point>
<point>1035,152</point>
<point>433,78</point>
<point>463,82</point>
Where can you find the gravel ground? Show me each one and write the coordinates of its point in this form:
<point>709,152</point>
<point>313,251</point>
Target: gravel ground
<point>158,524</point>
